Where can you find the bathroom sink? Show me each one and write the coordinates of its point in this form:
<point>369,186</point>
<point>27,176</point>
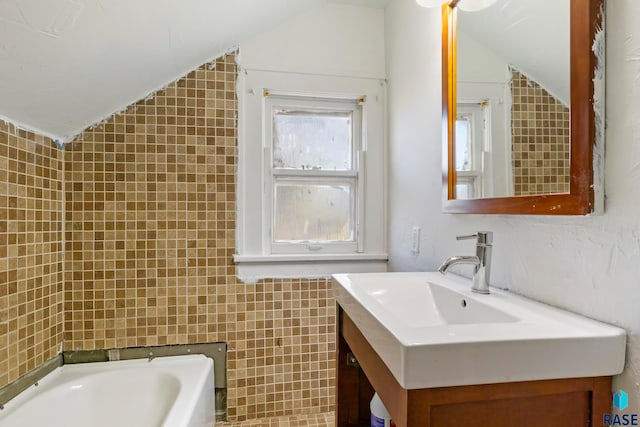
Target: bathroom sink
<point>432,331</point>
<point>427,304</point>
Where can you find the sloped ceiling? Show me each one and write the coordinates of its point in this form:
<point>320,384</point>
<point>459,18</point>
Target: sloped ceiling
<point>532,35</point>
<point>68,64</point>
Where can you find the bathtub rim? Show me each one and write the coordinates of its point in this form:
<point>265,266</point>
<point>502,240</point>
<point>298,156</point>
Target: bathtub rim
<point>187,403</point>
<point>33,377</point>
<point>216,351</point>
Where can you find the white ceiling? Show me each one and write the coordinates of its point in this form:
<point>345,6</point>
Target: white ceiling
<point>68,64</point>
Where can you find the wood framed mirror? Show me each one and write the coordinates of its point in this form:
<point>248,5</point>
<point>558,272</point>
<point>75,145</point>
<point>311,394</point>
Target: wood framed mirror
<point>548,158</point>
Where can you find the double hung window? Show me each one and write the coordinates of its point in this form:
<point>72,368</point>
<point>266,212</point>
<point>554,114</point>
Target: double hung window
<point>313,183</point>
<point>311,175</point>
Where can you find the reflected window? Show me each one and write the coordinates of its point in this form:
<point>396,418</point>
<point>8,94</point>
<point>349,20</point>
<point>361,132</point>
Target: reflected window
<point>470,135</point>
<point>463,143</point>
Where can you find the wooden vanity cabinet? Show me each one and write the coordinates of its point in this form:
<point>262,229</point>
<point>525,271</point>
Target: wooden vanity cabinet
<point>562,402</point>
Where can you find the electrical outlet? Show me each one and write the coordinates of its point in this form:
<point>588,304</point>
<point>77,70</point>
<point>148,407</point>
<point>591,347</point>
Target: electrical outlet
<point>415,239</point>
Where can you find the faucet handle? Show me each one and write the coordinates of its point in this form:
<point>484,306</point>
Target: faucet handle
<point>484,237</point>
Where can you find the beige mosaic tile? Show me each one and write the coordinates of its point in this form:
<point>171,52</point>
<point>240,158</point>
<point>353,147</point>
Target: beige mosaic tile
<point>149,240</point>
<point>312,420</point>
<point>31,199</point>
<point>540,139</point>
<point>147,204</point>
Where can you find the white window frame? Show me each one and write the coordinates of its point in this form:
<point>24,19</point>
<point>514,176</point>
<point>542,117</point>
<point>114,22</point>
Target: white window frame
<point>256,257</point>
<point>274,100</point>
<point>474,113</point>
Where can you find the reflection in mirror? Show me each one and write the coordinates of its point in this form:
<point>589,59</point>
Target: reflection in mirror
<point>513,96</point>
<point>528,138</point>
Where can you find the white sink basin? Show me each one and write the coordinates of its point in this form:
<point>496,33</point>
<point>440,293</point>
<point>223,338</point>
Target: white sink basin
<point>427,304</point>
<point>432,331</point>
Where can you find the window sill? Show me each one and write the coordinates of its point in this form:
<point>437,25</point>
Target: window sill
<point>253,268</point>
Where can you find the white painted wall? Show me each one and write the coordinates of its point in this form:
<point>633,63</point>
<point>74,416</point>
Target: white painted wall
<point>589,265</point>
<point>331,39</point>
<point>478,63</point>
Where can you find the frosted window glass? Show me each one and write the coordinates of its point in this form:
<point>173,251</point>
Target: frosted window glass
<point>313,212</point>
<point>312,140</point>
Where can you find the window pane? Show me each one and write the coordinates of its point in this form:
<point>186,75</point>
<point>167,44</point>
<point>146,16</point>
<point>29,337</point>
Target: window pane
<point>312,212</point>
<point>312,140</point>
<point>463,144</point>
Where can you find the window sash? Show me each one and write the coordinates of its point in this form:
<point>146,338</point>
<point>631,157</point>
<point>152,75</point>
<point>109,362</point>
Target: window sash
<point>276,175</point>
<point>318,245</point>
<point>470,179</point>
<point>344,156</point>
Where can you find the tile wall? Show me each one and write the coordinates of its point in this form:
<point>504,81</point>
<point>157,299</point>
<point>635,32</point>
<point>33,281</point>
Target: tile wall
<point>149,239</point>
<point>540,137</point>
<point>31,197</point>
<point>313,420</point>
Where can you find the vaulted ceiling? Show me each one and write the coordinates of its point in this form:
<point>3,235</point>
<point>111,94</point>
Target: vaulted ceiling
<point>530,35</point>
<point>68,64</point>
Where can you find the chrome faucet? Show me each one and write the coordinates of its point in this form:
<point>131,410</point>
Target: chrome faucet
<point>481,261</point>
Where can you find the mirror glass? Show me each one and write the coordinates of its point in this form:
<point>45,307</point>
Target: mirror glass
<point>523,107</point>
<point>512,127</point>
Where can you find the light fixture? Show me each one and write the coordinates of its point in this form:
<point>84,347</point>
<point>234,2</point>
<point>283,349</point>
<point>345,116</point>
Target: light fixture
<point>474,5</point>
<point>431,3</point>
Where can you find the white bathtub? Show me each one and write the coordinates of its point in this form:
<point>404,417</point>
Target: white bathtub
<point>166,392</point>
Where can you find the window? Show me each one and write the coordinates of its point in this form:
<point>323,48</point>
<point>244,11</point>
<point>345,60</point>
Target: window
<point>313,178</point>
<point>470,134</point>
<point>311,175</point>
